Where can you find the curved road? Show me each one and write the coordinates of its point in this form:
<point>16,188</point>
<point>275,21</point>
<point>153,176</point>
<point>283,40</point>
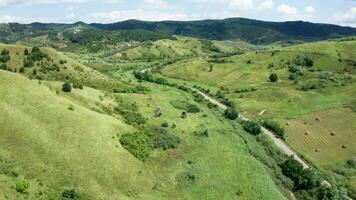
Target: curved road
<point>280,143</point>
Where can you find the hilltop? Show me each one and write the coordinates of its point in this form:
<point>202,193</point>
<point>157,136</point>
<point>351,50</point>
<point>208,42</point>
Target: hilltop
<point>248,30</point>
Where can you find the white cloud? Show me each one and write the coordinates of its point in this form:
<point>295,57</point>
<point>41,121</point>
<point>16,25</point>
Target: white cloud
<point>140,14</point>
<point>310,9</point>
<point>286,9</point>
<point>155,3</point>
<point>266,5</point>
<point>241,4</point>
<point>348,18</point>
<point>4,3</point>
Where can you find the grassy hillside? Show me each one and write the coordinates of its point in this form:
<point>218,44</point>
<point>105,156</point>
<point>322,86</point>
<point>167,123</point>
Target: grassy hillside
<point>56,142</point>
<point>173,49</point>
<point>55,148</point>
<point>49,64</point>
<point>325,90</point>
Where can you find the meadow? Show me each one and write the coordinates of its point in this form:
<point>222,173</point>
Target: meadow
<point>294,99</point>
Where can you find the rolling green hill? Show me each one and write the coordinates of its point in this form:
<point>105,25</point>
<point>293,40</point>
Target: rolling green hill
<point>57,143</point>
<point>324,90</point>
<point>49,64</point>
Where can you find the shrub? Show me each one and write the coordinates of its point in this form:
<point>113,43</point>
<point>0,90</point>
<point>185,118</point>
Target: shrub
<point>132,117</point>
<point>67,87</point>
<point>352,162</point>
<point>25,52</point>
<point>273,77</point>
<point>73,194</point>
<point>292,168</point>
<point>275,128</point>
<point>165,141</point>
<point>62,62</point>
<point>333,192</point>
<point>137,144</point>
<point>5,56</point>
<point>204,133</point>
<point>182,105</point>
<point>22,186</point>
<point>77,86</point>
<point>183,115</point>
<point>158,112</point>
<point>165,124</point>
<point>231,114</point>
<point>252,127</point>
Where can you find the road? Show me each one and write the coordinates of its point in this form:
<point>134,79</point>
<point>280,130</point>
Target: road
<point>278,142</point>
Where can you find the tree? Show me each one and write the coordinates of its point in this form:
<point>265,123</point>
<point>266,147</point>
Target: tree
<point>67,87</point>
<point>292,168</point>
<point>183,115</point>
<point>25,52</point>
<point>307,180</point>
<point>165,124</point>
<point>273,77</point>
<point>158,112</point>
<point>231,113</point>
<point>252,127</point>
<point>333,192</point>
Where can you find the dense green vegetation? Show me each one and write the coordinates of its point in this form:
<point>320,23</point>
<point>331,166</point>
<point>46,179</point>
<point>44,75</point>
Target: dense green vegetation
<point>115,111</point>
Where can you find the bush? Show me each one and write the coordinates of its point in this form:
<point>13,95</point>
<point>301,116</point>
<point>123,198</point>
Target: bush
<point>275,128</point>
<point>182,105</point>
<point>22,186</point>
<point>4,56</point>
<point>140,144</point>
<point>292,168</point>
<point>67,87</point>
<point>73,194</point>
<point>183,115</point>
<point>137,144</point>
<point>231,114</point>
<point>158,112</point>
<point>131,117</point>
<point>165,124</point>
<point>273,77</point>
<point>160,138</point>
<point>252,127</point>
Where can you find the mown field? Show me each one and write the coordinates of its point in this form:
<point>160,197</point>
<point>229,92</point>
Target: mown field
<point>324,90</point>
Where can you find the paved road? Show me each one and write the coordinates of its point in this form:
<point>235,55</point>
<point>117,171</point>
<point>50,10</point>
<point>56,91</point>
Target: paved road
<point>280,143</point>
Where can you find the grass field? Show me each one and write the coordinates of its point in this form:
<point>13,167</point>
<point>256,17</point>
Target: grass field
<point>58,141</point>
<point>285,100</point>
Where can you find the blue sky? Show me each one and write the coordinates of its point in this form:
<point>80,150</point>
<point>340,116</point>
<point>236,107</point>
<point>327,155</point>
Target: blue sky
<point>341,12</point>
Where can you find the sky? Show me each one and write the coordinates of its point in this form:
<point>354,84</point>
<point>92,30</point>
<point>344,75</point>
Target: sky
<point>342,12</point>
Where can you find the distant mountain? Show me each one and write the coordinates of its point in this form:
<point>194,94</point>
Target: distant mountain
<point>248,30</point>
<point>253,31</point>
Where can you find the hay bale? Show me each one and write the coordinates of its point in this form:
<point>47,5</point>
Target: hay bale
<point>287,124</point>
<point>333,133</point>
<point>305,123</point>
<point>307,133</point>
<point>317,150</point>
<point>317,119</point>
<point>344,146</point>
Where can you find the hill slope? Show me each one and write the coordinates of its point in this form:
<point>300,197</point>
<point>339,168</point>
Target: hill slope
<point>55,143</point>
